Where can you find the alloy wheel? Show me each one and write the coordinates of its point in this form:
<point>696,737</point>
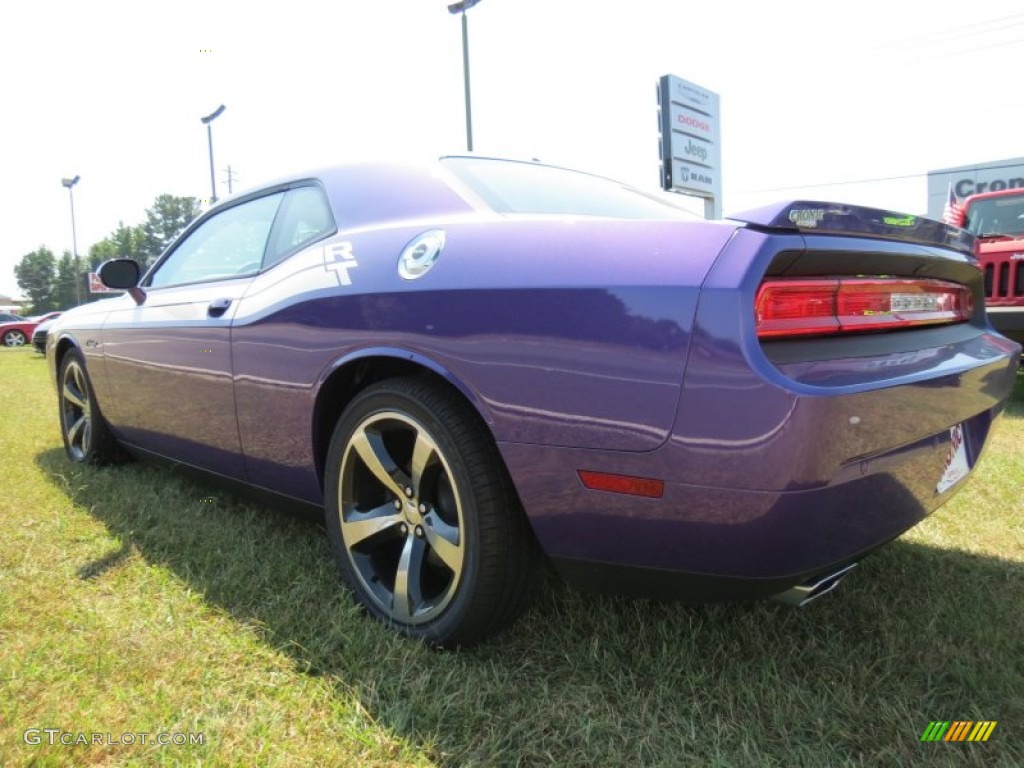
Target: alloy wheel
<point>76,411</point>
<point>14,339</point>
<point>401,518</point>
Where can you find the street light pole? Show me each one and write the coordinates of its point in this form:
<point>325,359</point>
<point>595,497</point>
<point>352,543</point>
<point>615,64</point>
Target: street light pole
<point>209,138</point>
<point>461,8</point>
<point>70,183</point>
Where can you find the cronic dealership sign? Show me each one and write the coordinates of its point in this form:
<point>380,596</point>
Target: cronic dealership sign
<point>690,146</point>
<point>967,180</point>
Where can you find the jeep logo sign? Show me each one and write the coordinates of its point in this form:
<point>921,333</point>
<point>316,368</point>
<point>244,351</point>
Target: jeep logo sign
<point>690,148</point>
<point>696,151</point>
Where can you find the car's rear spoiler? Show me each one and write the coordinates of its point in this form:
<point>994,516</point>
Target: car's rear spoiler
<point>859,221</point>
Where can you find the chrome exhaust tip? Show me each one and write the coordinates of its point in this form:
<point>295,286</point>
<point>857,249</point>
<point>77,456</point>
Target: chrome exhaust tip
<point>802,594</point>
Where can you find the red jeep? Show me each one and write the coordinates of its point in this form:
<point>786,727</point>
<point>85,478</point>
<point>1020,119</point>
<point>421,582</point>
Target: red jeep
<point>997,218</point>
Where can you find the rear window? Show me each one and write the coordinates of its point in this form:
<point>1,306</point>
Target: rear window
<point>509,186</point>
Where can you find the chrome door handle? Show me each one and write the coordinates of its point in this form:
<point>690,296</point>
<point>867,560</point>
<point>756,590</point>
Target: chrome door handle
<point>218,307</point>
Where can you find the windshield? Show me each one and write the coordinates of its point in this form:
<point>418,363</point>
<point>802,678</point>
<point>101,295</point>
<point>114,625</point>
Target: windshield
<point>996,216</point>
<point>510,186</point>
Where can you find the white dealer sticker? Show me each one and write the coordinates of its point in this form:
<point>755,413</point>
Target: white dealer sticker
<point>807,218</point>
<point>956,460</point>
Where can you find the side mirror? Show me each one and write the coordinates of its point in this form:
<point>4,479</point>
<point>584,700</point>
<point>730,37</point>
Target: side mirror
<point>123,275</point>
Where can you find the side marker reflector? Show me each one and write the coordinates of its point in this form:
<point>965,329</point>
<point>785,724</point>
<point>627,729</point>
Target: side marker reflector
<point>627,484</point>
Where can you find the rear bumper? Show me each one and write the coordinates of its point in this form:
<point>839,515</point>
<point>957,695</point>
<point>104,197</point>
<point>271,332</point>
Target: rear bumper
<point>834,495</point>
<point>695,588</point>
<point>1009,321</point>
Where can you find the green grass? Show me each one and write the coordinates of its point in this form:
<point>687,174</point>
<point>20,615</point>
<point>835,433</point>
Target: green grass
<point>135,599</point>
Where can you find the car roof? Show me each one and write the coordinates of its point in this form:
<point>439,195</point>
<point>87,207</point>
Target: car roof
<point>374,192</point>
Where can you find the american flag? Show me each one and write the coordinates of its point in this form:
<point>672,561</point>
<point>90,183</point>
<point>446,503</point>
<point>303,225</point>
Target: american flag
<point>952,213</point>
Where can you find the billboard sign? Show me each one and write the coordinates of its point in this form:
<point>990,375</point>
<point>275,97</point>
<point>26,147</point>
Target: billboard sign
<point>966,180</point>
<point>690,146</point>
<point>97,286</point>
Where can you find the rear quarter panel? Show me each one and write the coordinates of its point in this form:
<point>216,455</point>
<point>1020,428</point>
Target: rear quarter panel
<point>561,331</point>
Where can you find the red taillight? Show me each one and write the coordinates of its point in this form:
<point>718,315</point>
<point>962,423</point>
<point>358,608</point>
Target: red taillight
<point>796,307</point>
<point>840,305</point>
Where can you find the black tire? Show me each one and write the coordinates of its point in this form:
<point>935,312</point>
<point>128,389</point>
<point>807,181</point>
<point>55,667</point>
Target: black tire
<point>14,338</point>
<point>441,552</point>
<point>87,438</point>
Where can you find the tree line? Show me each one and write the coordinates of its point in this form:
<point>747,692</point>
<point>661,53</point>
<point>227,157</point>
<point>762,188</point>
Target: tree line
<point>51,283</point>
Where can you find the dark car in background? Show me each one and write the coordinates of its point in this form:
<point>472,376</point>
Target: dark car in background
<point>466,363</point>
<point>39,335</point>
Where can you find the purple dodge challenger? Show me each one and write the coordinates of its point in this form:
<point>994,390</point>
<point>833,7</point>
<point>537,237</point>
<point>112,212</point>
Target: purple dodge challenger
<point>474,363</point>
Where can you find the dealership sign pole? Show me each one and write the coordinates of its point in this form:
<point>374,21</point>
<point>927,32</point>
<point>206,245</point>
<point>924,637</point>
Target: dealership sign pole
<point>690,148</point>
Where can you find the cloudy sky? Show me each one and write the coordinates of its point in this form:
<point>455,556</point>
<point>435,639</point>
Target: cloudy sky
<point>853,101</point>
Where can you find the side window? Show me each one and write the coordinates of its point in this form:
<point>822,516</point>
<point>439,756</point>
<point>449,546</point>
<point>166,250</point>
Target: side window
<point>230,244</point>
<point>305,216</point>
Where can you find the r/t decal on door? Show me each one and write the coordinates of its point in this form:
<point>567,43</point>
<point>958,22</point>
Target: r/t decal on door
<point>339,259</point>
